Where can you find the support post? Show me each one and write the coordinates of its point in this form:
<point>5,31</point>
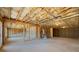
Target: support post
<point>29,30</point>
<point>51,32</point>
<point>36,32</point>
<point>24,32</point>
<point>3,33</point>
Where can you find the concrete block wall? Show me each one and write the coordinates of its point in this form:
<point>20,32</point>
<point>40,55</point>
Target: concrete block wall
<point>68,32</point>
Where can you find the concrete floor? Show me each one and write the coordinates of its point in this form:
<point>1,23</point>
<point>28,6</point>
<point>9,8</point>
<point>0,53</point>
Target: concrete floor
<point>43,45</point>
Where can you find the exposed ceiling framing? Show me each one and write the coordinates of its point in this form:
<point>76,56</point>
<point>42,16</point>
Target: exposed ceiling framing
<point>42,15</point>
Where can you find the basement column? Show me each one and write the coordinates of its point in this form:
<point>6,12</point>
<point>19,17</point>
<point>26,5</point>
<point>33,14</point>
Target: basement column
<point>3,36</point>
<point>24,31</point>
<point>0,34</point>
<point>29,30</point>
<point>51,32</point>
<point>37,32</point>
<point>7,31</point>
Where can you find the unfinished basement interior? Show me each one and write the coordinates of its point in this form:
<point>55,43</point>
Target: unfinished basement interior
<point>39,29</point>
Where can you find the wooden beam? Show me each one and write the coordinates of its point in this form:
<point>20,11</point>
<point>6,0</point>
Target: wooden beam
<point>20,12</point>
